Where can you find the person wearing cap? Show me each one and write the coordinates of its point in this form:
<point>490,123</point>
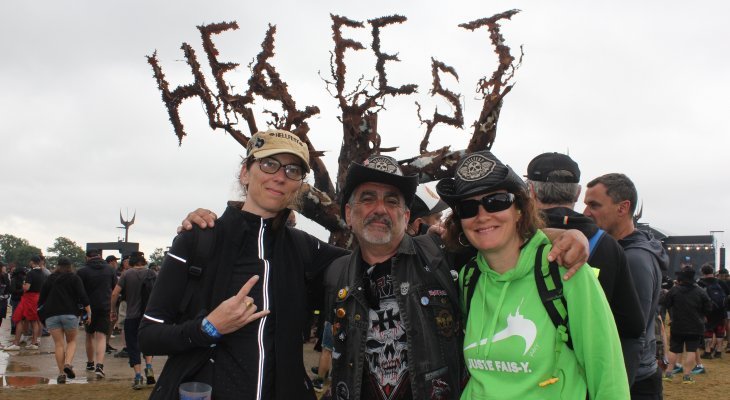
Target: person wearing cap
<point>553,182</point>
<point>512,347</point>
<point>98,279</point>
<point>688,305</point>
<point>131,283</point>
<point>426,211</point>
<point>241,331</point>
<point>59,301</point>
<point>27,311</point>
<point>4,291</point>
<point>611,202</point>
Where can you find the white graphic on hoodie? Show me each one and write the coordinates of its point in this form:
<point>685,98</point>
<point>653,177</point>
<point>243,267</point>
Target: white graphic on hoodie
<point>517,325</point>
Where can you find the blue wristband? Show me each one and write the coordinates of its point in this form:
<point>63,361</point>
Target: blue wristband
<point>210,330</point>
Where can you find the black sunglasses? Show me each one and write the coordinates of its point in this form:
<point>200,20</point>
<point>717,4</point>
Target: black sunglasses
<point>492,203</point>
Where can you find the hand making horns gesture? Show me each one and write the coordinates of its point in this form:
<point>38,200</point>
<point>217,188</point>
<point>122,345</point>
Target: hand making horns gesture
<point>237,311</point>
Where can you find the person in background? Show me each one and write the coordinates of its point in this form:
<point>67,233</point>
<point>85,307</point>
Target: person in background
<point>60,298</point>
<point>715,327</point>
<point>688,305</point>
<point>611,202</point>
<point>131,283</point>
<point>512,347</point>
<point>4,291</point>
<point>99,279</point>
<point>27,311</point>
<point>426,211</point>
<point>17,277</point>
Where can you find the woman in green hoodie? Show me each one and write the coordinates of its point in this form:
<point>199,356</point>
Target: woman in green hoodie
<point>512,347</point>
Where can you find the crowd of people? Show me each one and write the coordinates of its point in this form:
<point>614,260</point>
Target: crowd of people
<point>512,295</point>
<point>72,297</point>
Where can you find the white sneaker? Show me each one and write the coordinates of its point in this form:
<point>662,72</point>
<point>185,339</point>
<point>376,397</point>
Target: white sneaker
<point>31,347</point>
<point>12,347</point>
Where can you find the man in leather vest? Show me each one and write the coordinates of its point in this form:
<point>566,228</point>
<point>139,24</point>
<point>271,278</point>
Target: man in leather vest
<point>392,303</point>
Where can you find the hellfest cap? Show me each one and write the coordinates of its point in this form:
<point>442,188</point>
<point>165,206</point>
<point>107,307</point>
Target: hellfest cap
<point>277,141</point>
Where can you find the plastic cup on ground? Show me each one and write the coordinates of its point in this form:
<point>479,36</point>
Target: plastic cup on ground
<point>195,391</point>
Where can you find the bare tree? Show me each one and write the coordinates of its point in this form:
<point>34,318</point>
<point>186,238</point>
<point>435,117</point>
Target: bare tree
<point>359,107</point>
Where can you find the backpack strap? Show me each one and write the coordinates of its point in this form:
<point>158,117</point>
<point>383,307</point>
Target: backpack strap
<point>470,275</point>
<point>593,242</point>
<point>203,243</point>
<point>550,288</point>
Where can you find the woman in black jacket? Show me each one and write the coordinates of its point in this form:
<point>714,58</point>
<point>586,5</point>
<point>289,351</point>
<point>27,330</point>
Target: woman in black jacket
<point>229,303</point>
<point>58,304</point>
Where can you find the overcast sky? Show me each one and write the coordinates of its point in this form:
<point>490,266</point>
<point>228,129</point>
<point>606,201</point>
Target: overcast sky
<point>624,86</point>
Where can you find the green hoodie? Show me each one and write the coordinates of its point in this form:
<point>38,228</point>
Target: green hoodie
<point>511,345</point>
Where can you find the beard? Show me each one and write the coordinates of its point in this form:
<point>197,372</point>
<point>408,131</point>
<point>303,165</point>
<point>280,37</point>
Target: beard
<point>377,235</point>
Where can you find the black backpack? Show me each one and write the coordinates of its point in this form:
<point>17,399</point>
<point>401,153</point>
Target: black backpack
<point>148,283</point>
<point>716,294</point>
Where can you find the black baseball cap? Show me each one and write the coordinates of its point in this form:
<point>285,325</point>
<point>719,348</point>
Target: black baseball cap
<point>541,166</point>
<point>110,258</point>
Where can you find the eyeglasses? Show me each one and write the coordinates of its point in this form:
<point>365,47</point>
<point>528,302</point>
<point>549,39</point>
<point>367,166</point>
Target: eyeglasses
<point>270,165</point>
<point>492,203</point>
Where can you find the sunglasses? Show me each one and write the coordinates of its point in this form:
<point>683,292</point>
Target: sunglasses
<point>492,203</point>
<point>270,165</point>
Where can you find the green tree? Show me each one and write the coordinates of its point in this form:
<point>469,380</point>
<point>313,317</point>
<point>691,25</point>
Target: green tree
<point>17,250</point>
<point>10,242</point>
<point>157,256</point>
<point>65,247</point>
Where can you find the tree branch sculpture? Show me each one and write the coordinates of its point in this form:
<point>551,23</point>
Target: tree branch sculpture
<point>359,107</point>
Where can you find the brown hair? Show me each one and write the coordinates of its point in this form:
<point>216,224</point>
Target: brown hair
<point>527,225</point>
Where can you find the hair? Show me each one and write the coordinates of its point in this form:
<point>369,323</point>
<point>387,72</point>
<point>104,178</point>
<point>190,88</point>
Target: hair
<point>619,188</point>
<point>707,269</point>
<point>137,259</point>
<point>63,266</point>
<point>556,192</point>
<point>527,225</point>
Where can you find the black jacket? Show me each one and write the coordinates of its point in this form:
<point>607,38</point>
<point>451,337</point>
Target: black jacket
<point>165,330</point>
<point>420,270</point>
<point>61,295</point>
<point>16,283</point>
<point>647,259</point>
<point>99,279</point>
<point>688,304</point>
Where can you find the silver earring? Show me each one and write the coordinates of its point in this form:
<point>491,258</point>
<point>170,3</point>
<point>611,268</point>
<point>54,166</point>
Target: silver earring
<point>458,238</point>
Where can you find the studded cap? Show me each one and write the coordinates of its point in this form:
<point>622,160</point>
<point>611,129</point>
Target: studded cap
<point>379,169</point>
<point>478,173</point>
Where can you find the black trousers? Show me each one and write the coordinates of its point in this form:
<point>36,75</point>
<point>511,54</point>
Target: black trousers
<point>649,388</point>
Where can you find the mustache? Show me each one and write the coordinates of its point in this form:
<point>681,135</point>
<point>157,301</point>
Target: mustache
<point>383,219</point>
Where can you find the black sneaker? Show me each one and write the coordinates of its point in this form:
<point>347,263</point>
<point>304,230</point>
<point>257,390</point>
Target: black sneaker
<point>318,384</point>
<point>89,365</point>
<point>122,353</point>
<point>150,375</point>
<point>99,371</point>
<point>61,379</point>
<point>68,369</point>
<point>706,356</point>
<point>718,354</point>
